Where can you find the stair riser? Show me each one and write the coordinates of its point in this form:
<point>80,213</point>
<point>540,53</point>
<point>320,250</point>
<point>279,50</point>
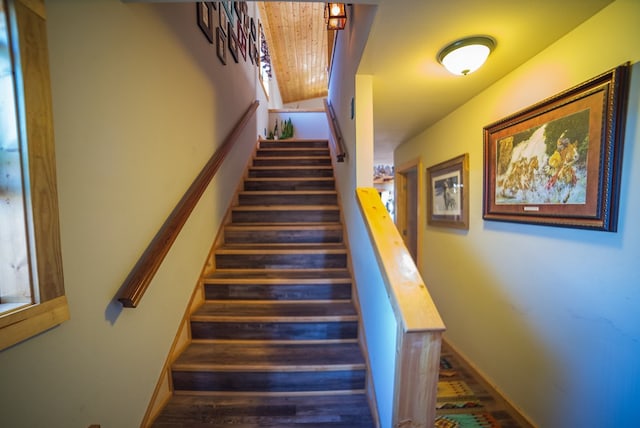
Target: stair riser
<point>291,216</point>
<point>290,173</point>
<point>269,381</point>
<point>301,199</point>
<point>280,144</point>
<point>281,261</point>
<point>265,161</point>
<point>278,292</point>
<point>290,185</point>
<point>274,330</point>
<point>289,236</point>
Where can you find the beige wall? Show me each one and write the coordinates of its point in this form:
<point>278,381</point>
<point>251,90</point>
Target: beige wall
<point>550,315</point>
<point>140,103</point>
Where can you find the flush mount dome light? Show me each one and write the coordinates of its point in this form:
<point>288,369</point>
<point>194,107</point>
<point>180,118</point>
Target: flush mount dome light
<point>466,55</point>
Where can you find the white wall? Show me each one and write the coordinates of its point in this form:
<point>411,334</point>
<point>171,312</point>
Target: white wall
<point>306,124</point>
<point>140,102</point>
<point>550,315</point>
<point>378,319</point>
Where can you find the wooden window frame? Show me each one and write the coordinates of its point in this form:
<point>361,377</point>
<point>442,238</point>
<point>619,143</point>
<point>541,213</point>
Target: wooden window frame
<point>28,35</point>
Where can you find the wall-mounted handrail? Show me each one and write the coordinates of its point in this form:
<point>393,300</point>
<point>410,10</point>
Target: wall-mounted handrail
<point>144,270</point>
<point>420,328</point>
<point>337,141</point>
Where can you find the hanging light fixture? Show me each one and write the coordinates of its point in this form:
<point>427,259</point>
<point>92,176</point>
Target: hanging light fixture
<point>466,55</point>
<point>336,16</point>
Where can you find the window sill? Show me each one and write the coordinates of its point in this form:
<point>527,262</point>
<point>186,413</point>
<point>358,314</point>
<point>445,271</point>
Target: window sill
<point>31,320</point>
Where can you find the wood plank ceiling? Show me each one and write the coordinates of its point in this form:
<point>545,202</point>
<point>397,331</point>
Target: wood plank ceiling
<point>298,44</point>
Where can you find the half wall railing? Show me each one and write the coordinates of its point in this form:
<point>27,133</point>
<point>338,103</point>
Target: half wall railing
<point>419,326</point>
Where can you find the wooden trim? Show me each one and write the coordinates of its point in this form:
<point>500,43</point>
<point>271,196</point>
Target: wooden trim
<point>143,272</point>
<point>400,182</point>
<point>23,324</point>
<point>337,142</point>
<point>413,307</point>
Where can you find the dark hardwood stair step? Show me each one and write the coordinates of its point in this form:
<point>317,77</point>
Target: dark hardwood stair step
<point>288,197</point>
<point>292,151</point>
<point>273,284</point>
<point>285,214</point>
<point>281,256</point>
<point>298,276</point>
<point>262,366</point>
<point>291,160</point>
<point>290,171</point>
<point>273,320</point>
<point>287,233</point>
<point>244,411</point>
<point>236,311</point>
<point>286,183</point>
<point>265,356</point>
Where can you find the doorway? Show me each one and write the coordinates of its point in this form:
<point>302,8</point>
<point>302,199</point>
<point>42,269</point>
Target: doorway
<point>408,206</point>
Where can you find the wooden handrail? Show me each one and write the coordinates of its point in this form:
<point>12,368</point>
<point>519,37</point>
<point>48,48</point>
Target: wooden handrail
<point>420,328</point>
<point>334,127</point>
<point>143,272</point>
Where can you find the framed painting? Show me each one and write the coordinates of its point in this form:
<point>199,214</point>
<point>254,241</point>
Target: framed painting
<point>227,6</point>
<point>223,20</point>
<point>221,45</point>
<point>204,11</point>
<point>448,193</point>
<point>242,41</point>
<point>558,162</point>
<point>232,43</point>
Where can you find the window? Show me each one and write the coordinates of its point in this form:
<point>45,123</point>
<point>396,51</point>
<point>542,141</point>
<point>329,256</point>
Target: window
<point>31,271</point>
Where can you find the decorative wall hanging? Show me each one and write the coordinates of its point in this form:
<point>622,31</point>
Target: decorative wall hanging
<point>221,45</point>
<point>228,10</point>
<point>223,20</point>
<point>448,193</point>
<point>205,18</point>
<point>559,162</point>
<point>242,40</point>
<point>233,42</point>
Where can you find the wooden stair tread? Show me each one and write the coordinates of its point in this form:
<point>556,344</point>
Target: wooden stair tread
<point>274,275</point>
<point>288,192</point>
<point>322,248</point>
<point>286,208</point>
<point>279,179</point>
<point>344,410</point>
<point>275,311</point>
<point>283,226</point>
<point>263,356</point>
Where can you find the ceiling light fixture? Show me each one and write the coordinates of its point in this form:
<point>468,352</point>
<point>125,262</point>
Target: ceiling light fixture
<point>465,56</point>
<point>336,16</point>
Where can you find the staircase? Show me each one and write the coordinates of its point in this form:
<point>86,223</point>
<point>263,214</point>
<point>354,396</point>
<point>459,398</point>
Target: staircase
<point>275,343</point>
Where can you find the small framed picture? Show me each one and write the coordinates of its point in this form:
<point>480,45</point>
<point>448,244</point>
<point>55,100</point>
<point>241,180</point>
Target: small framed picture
<point>242,41</point>
<point>205,18</point>
<point>223,20</point>
<point>221,45</point>
<point>232,42</point>
<point>227,6</point>
<point>252,25</point>
<point>448,194</point>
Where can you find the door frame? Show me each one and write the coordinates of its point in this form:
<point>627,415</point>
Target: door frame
<point>401,201</point>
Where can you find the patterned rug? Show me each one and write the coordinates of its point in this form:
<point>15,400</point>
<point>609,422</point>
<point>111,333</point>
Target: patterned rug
<point>464,403</point>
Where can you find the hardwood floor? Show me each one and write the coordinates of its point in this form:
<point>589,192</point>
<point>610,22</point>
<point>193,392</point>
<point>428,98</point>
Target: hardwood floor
<point>276,342</point>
